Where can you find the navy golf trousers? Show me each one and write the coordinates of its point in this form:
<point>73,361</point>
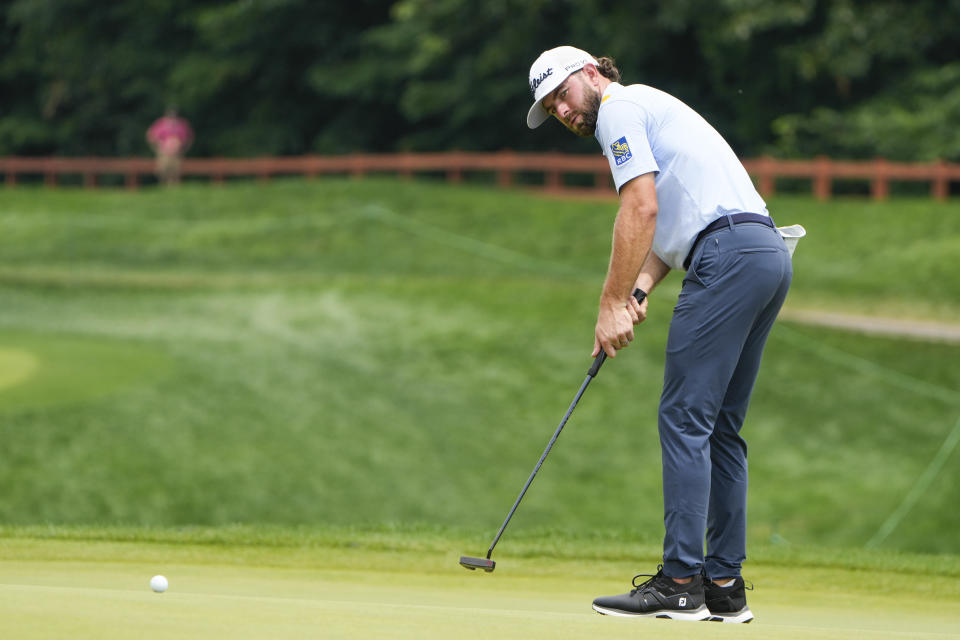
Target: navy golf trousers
<point>736,283</point>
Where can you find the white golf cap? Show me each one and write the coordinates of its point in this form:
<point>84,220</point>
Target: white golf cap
<point>548,72</point>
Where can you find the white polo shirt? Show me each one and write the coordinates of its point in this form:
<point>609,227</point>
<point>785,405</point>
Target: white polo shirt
<point>698,176</point>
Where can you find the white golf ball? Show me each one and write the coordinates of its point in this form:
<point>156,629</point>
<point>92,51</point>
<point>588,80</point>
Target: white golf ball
<point>158,584</point>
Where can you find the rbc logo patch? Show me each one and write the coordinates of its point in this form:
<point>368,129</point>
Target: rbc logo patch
<point>621,151</point>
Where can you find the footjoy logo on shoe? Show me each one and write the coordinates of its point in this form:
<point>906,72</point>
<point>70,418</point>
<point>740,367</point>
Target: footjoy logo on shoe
<point>682,602</point>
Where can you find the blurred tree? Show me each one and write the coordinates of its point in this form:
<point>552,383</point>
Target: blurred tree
<point>448,73</point>
<point>917,119</point>
<point>247,77</point>
<point>853,78</point>
<point>895,76</point>
<point>85,77</point>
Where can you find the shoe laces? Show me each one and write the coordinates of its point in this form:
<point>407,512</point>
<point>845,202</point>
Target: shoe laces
<point>651,578</point>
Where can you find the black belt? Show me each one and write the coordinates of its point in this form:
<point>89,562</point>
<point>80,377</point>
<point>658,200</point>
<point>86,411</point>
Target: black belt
<point>720,223</point>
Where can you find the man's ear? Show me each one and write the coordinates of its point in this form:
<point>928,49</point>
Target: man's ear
<point>592,73</point>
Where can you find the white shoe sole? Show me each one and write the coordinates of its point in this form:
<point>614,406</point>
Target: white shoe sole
<point>742,617</point>
<point>695,615</point>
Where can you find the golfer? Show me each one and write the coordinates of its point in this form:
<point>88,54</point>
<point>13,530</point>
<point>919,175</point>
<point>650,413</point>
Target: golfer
<point>686,203</point>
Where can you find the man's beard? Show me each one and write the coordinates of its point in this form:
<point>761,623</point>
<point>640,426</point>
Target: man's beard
<point>588,121</point>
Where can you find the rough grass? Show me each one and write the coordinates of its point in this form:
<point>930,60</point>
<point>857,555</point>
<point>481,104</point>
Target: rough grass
<point>359,353</point>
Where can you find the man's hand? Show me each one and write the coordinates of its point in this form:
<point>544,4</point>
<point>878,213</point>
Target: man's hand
<point>614,328</point>
<point>638,310</point>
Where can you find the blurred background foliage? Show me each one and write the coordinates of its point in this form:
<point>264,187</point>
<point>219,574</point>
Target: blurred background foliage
<point>848,78</point>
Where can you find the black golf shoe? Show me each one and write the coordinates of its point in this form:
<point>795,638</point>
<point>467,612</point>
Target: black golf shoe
<point>727,604</point>
<point>658,597</point>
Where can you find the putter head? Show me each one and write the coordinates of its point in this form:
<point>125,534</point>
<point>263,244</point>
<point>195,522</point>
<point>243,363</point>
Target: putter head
<point>473,564</point>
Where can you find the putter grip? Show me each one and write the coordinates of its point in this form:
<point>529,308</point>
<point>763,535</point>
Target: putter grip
<point>639,294</point>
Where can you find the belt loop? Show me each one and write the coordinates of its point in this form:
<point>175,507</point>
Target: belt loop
<point>730,221</point>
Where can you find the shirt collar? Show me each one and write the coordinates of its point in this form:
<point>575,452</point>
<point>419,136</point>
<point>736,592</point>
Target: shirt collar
<point>612,89</point>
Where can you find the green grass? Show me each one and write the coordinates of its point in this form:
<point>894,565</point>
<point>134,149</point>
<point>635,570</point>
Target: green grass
<point>894,259</point>
<point>256,582</point>
<point>343,353</point>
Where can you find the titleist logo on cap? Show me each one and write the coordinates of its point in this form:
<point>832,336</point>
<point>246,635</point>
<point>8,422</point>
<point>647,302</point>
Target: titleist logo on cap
<point>536,82</point>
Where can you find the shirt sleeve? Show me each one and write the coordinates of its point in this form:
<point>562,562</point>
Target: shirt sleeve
<point>622,133</point>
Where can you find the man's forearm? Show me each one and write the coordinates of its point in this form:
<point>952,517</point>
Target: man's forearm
<point>632,238</point>
<point>651,273</point>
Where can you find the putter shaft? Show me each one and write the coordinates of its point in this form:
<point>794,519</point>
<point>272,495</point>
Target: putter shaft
<point>543,457</point>
<point>488,564</point>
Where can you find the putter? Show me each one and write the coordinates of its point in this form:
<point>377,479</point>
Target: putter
<point>487,564</point>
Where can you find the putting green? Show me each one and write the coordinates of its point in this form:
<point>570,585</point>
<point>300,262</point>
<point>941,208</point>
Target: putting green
<point>44,369</point>
<point>16,365</point>
<point>93,589</point>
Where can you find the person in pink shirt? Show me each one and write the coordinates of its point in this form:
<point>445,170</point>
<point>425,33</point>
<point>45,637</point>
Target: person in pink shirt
<point>169,136</point>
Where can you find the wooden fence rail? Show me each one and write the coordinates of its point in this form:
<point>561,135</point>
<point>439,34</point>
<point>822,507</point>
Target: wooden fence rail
<point>506,165</point>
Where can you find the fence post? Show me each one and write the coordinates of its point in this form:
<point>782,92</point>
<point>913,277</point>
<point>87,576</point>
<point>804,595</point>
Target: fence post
<point>880,184</point>
<point>552,179</point>
<point>310,167</point>
<point>822,179</point>
<point>455,168</point>
<point>49,172</point>
<point>940,187</point>
<point>357,164</point>
<point>406,163</point>
<point>262,167</point>
<point>602,181</point>
<point>505,164</point>
<point>765,182</point>
<point>9,174</point>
